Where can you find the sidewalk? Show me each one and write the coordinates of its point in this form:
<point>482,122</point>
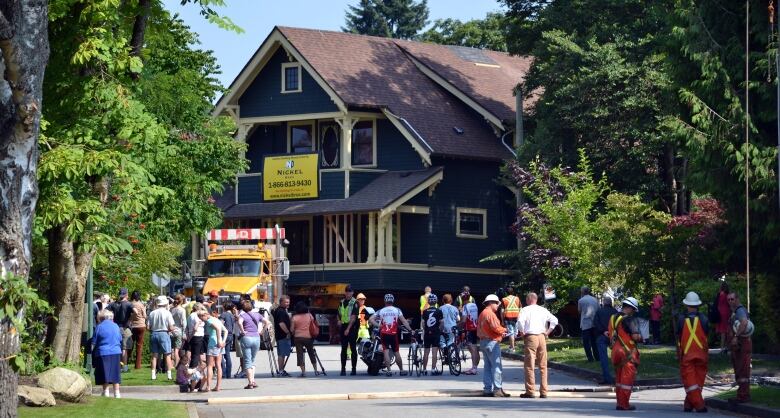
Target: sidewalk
<point>362,383</point>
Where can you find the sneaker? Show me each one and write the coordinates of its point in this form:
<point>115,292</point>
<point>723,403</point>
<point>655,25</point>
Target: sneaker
<point>284,373</point>
<point>154,375</point>
<point>169,375</point>
<point>105,393</point>
<point>117,395</point>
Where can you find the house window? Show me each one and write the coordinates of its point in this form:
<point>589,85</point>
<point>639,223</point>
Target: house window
<point>291,77</point>
<point>471,223</point>
<point>330,145</point>
<point>364,144</point>
<point>300,139</point>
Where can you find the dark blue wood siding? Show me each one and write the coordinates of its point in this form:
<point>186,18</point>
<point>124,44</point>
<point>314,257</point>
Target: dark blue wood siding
<point>414,238</point>
<point>265,140</point>
<point>264,97</point>
<point>332,185</point>
<point>358,180</point>
<point>250,189</point>
<point>389,280</point>
<point>469,184</point>
<point>394,152</point>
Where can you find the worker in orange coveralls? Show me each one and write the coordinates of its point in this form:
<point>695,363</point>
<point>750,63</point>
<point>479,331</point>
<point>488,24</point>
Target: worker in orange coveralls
<point>624,333</point>
<point>693,352</point>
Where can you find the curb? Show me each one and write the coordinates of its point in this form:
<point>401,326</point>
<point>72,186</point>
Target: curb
<point>192,411</point>
<point>392,395</point>
<point>639,384</point>
<point>741,408</point>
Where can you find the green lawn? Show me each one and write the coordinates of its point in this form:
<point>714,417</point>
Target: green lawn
<point>759,395</point>
<point>655,361</point>
<point>97,407</point>
<point>143,377</point>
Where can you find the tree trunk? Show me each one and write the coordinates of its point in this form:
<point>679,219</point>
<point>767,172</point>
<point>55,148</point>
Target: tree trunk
<point>139,27</point>
<point>68,276</point>
<point>24,51</point>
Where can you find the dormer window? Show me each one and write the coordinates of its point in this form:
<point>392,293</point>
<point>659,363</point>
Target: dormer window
<point>291,77</point>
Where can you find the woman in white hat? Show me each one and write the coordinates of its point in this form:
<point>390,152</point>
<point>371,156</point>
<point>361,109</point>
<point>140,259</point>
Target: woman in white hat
<point>693,352</point>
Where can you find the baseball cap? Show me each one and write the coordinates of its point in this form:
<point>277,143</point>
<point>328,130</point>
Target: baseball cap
<point>213,293</point>
<point>123,292</point>
<point>348,288</point>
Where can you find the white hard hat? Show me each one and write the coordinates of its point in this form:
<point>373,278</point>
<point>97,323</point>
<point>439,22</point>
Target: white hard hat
<point>692,299</point>
<point>632,302</point>
<point>162,301</point>
<point>491,298</point>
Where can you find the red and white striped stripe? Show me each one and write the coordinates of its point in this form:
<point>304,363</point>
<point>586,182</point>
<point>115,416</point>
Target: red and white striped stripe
<point>244,234</point>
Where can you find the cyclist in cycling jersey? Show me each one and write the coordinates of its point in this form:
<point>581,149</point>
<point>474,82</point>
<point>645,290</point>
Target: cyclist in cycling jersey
<point>388,319</point>
<point>470,319</point>
<point>431,328</point>
<point>450,318</point>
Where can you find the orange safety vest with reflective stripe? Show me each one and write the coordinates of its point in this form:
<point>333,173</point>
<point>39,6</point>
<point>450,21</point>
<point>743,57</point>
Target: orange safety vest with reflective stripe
<point>512,307</point>
<point>693,340</point>
<point>620,338</point>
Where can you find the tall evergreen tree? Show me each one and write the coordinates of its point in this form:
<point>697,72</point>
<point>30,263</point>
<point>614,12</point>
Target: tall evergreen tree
<point>401,19</point>
<point>488,33</point>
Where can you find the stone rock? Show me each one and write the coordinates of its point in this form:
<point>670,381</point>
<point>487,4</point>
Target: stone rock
<point>32,396</point>
<point>65,384</point>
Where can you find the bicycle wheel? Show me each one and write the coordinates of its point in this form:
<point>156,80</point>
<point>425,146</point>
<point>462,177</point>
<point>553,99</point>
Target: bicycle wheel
<point>465,354</point>
<point>418,360</point>
<point>454,360</point>
<point>411,360</point>
<point>558,331</point>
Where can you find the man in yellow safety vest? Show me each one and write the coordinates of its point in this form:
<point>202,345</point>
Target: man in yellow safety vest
<point>510,314</point>
<point>424,299</point>
<point>348,313</point>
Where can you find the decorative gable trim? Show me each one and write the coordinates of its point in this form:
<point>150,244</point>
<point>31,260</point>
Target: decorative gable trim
<point>493,119</point>
<point>256,64</point>
<point>414,139</point>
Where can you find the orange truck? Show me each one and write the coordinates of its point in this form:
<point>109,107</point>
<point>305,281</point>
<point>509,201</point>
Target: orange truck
<point>246,262</point>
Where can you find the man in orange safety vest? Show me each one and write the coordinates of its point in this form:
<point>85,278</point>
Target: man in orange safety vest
<point>693,352</point>
<point>510,313</point>
<point>623,334</point>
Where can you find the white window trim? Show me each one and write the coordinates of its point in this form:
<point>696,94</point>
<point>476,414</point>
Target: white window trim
<point>373,131</point>
<point>314,138</point>
<point>285,66</point>
<point>482,212</point>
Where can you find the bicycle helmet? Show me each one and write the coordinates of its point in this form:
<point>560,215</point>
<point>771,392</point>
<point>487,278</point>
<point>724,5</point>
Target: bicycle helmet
<point>389,298</point>
<point>432,299</point>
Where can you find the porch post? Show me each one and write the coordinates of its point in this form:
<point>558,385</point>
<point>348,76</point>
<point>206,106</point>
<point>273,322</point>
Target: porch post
<point>381,229</point>
<point>371,238</point>
<point>389,238</point>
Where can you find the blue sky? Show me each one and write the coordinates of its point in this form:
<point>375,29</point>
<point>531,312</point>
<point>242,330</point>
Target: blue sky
<point>258,17</point>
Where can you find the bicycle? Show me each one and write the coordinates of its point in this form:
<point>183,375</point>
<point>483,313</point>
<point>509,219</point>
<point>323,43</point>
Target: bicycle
<point>451,354</point>
<point>463,345</point>
<point>414,359</point>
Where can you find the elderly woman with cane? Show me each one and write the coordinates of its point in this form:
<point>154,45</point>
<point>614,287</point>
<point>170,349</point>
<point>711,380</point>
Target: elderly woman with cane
<point>107,353</point>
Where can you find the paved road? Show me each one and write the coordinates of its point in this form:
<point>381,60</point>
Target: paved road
<point>661,403</point>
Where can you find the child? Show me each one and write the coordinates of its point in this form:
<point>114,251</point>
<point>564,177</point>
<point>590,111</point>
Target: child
<point>181,371</point>
<point>196,381</point>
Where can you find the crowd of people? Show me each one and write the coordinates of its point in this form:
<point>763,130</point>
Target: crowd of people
<point>197,337</point>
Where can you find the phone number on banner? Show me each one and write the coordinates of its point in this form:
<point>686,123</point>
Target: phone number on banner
<point>296,183</point>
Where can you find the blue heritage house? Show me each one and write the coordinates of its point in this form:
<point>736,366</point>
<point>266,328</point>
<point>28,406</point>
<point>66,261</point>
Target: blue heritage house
<point>409,139</point>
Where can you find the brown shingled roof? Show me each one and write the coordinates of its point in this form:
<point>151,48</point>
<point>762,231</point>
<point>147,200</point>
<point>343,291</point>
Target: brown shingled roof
<point>372,72</point>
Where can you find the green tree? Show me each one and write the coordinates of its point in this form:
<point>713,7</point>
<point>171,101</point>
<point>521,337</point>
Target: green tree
<point>130,156</point>
<point>401,19</point>
<point>488,33</point>
<point>606,86</point>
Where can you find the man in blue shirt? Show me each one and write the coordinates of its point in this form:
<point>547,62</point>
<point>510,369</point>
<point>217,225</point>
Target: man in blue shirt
<point>450,319</point>
<point>601,325</point>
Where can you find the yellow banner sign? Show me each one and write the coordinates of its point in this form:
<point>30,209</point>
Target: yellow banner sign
<point>289,177</point>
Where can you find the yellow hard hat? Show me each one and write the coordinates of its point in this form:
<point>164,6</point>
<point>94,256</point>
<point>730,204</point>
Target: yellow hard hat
<point>361,296</point>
